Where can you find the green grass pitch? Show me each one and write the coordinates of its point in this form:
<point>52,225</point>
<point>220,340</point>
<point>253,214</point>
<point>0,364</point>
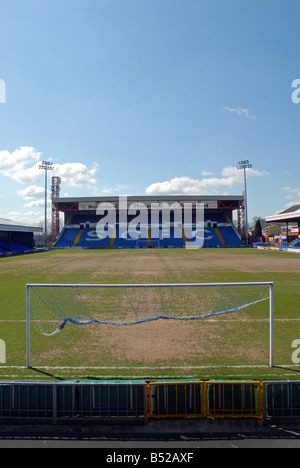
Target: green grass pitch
<point>235,349</point>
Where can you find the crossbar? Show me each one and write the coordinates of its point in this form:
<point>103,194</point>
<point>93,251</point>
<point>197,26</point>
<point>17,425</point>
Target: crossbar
<point>161,285</point>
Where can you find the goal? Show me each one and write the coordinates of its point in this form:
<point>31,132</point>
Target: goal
<point>53,307</point>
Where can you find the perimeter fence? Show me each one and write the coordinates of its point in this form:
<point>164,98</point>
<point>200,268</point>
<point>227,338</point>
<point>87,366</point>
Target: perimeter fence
<point>140,401</point>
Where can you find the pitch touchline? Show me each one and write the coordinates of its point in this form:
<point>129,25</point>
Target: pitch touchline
<point>249,366</point>
<point>138,377</point>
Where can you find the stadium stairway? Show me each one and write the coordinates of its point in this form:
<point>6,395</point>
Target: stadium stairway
<point>184,238</point>
<point>230,236</point>
<point>111,244</point>
<point>76,240</point>
<point>149,238</point>
<point>217,231</point>
<point>67,237</point>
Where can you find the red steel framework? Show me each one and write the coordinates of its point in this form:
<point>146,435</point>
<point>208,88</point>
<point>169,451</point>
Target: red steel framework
<point>55,192</point>
<point>241,219</point>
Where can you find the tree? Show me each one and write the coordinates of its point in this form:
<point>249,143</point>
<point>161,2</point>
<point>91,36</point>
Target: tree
<point>257,225</point>
<point>274,229</point>
<point>258,228</point>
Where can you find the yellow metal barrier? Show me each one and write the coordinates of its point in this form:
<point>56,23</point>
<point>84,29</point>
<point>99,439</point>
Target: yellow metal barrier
<point>198,399</point>
<point>174,399</point>
<point>234,399</point>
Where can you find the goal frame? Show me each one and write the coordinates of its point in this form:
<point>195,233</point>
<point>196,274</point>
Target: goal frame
<point>270,285</point>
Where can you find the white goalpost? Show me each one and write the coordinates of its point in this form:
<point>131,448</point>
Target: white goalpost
<point>51,307</point>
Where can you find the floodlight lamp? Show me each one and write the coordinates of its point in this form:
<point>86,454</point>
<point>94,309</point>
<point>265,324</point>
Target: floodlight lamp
<point>48,166</point>
<point>244,164</point>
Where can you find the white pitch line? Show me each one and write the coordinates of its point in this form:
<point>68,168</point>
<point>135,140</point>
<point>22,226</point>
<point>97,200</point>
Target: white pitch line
<point>70,368</point>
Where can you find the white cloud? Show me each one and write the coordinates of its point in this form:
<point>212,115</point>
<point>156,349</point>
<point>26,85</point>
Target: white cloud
<point>175,186</point>
<point>32,191</point>
<point>22,165</point>
<point>27,175</point>
<point>13,164</point>
<point>292,194</point>
<point>206,173</point>
<point>35,194</point>
<point>37,203</point>
<point>230,177</point>
<point>29,218</point>
<point>292,190</point>
<point>76,174</point>
<point>241,111</point>
<point>117,189</point>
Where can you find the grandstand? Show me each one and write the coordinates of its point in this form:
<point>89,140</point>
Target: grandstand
<point>16,238</point>
<point>81,219</point>
<point>290,240</point>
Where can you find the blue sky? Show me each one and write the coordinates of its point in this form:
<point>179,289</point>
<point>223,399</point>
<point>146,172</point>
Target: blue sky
<point>149,96</point>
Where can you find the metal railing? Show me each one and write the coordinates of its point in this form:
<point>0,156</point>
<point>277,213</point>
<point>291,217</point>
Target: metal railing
<point>56,402</point>
<point>282,399</point>
<point>234,399</point>
<point>174,399</point>
<point>71,400</point>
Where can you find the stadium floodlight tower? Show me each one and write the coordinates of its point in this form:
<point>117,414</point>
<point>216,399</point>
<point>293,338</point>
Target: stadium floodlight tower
<point>245,165</point>
<point>46,166</point>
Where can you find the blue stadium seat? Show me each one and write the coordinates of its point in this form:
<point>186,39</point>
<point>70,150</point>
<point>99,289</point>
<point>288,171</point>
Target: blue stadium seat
<point>82,234</point>
<point>296,243</point>
<point>13,246</point>
<point>170,240</point>
<point>230,236</point>
<point>125,243</point>
<point>210,238</point>
<point>89,238</point>
<point>66,237</point>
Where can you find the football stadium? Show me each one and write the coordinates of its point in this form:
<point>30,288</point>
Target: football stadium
<point>127,317</point>
<point>149,226</point>
<point>81,220</point>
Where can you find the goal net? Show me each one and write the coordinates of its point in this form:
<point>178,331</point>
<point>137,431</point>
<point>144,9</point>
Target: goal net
<point>51,308</point>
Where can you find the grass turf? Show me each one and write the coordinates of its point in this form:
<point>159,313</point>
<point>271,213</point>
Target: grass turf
<point>61,358</point>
